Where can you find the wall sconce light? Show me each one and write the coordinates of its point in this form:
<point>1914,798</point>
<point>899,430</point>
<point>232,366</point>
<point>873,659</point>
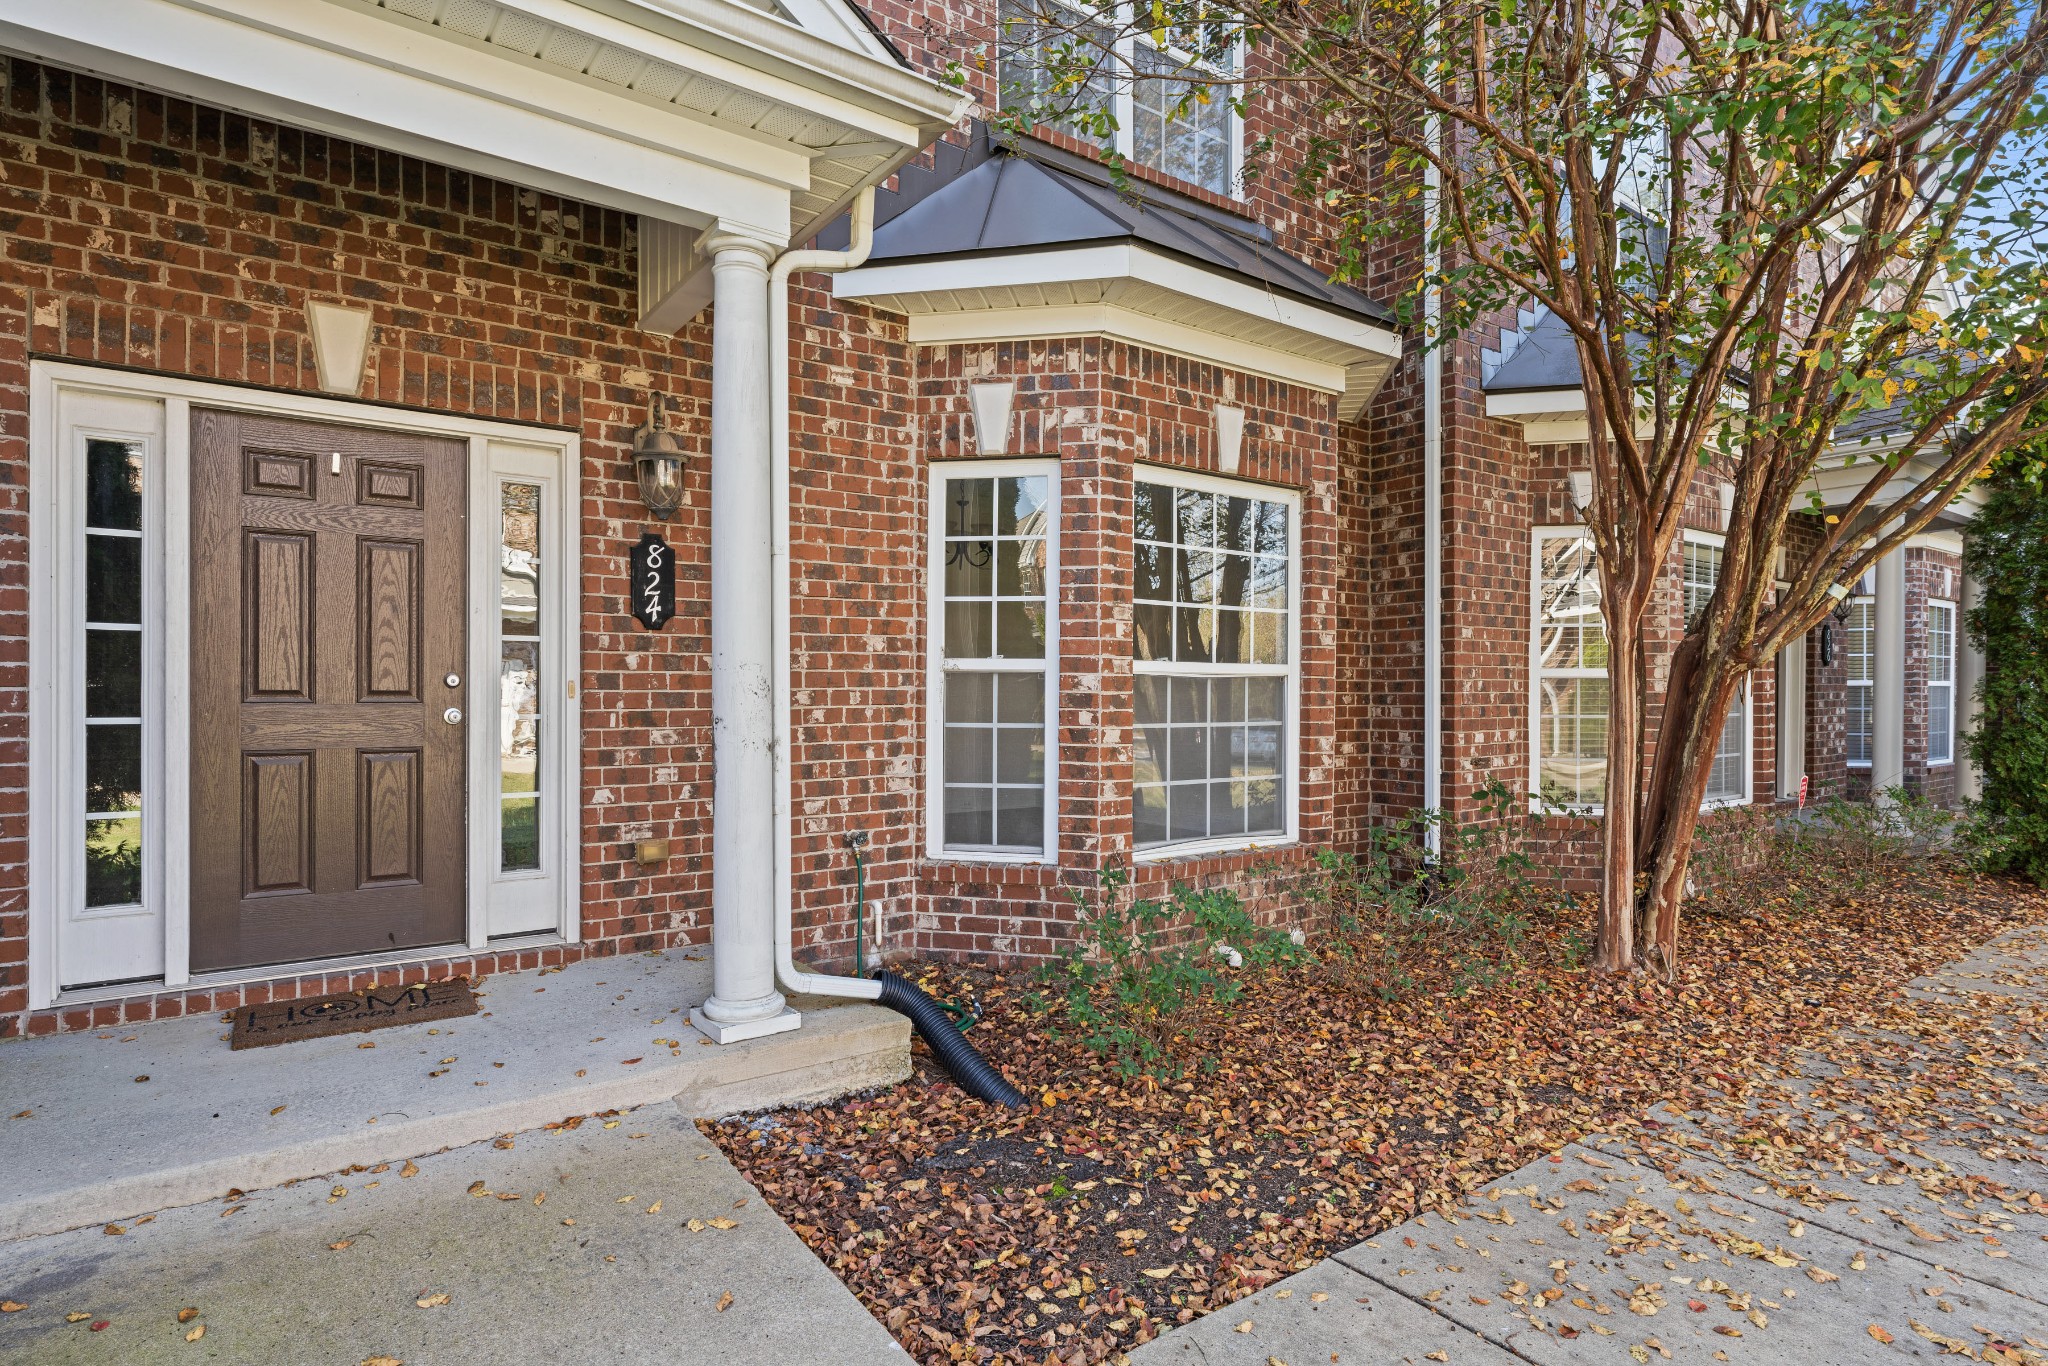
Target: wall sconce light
<point>1838,617</point>
<point>658,460</point>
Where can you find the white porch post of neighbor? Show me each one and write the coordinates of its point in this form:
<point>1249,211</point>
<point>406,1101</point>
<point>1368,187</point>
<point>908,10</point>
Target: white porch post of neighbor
<point>1969,677</point>
<point>744,1003</point>
<point>1888,707</point>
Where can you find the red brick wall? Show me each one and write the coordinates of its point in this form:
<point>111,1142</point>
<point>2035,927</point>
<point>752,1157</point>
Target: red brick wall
<point>1105,409</point>
<point>152,233</point>
<point>1930,574</point>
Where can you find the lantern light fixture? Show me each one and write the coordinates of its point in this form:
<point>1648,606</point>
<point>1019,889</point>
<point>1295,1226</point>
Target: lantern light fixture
<point>658,460</point>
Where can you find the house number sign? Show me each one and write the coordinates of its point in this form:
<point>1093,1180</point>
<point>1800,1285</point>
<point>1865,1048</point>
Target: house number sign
<point>654,581</point>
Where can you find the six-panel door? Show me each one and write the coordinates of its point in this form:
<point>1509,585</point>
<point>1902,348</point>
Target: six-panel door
<point>328,593</point>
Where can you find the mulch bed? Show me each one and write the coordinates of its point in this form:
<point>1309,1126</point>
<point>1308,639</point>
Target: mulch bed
<point>1312,1115</point>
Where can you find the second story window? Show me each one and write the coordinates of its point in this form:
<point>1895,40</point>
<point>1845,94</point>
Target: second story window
<point>1146,96</point>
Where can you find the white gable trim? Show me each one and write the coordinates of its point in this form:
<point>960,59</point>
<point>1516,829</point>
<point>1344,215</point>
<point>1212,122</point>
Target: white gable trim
<point>1131,293</point>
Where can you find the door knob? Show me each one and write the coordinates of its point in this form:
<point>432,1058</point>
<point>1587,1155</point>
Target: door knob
<point>453,716</point>
<point>453,680</point>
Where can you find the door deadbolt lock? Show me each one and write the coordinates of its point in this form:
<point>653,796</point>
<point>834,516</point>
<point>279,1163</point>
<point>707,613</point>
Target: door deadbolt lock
<point>453,680</point>
<point>453,716</point>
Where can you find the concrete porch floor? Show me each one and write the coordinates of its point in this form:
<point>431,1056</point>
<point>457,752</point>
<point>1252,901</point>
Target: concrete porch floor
<point>127,1121</point>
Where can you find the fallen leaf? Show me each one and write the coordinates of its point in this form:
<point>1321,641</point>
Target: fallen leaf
<point>198,1332</point>
<point>722,1222</point>
<point>434,1301</point>
<point>410,1168</point>
<point>277,1109</point>
<point>1880,1334</point>
<point>77,1316</point>
<point>188,1314</point>
<point>342,1246</point>
<point>725,1302</point>
<point>1244,1327</point>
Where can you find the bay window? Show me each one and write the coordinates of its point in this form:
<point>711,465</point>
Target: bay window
<point>994,666</point>
<point>1214,663</point>
<point>1145,97</point>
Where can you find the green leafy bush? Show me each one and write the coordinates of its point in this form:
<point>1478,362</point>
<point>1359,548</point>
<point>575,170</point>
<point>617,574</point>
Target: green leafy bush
<point>2007,552</point>
<point>1398,918</point>
<point>1137,969</point>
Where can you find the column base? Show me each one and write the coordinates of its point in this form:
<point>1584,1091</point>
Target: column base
<point>744,1029</point>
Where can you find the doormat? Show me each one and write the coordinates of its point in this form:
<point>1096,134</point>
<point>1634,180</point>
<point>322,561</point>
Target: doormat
<point>351,1012</point>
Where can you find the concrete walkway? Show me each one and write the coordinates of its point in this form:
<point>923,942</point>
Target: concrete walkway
<point>613,1245</point>
<point>1790,1238</point>
<point>124,1121</point>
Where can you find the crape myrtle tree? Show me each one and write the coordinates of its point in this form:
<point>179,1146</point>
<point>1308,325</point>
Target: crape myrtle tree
<point>1757,220</point>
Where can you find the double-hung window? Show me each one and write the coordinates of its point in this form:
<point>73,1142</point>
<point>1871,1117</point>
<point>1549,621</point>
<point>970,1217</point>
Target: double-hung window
<point>1215,571</point>
<point>1568,708</point>
<point>1859,659</point>
<point>1941,682</point>
<point>1060,61</point>
<point>994,658</point>
<point>1728,782</point>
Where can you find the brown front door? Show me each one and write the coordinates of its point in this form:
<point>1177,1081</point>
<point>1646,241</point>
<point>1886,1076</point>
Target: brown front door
<point>327,616</point>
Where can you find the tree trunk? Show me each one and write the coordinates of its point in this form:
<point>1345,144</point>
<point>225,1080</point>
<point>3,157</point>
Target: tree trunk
<point>1675,815</point>
<point>1614,941</point>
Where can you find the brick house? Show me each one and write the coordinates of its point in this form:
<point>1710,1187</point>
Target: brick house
<point>347,643</point>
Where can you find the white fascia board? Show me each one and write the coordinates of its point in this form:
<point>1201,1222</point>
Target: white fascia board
<point>760,53</point>
<point>1548,405</point>
<point>1033,323</point>
<point>1947,542</point>
<point>867,77</point>
<point>358,76</point>
<point>1333,340</point>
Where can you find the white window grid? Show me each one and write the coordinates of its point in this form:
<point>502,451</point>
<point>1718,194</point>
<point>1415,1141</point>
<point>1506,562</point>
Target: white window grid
<point>1941,682</point>
<point>1567,718</point>
<point>940,668</point>
<point>1136,86</point>
<point>1859,661</point>
<point>1729,782</point>
<point>1286,671</point>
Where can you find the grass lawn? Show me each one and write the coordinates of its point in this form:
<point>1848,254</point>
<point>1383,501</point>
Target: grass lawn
<point>1311,1114</point>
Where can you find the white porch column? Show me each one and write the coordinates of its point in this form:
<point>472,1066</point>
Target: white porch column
<point>1888,706</point>
<point>744,1003</point>
<point>1969,677</point>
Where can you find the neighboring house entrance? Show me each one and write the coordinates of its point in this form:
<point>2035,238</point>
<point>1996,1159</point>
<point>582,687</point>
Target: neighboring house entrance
<point>328,684</point>
<point>303,684</point>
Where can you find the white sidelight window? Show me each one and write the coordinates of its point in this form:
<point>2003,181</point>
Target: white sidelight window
<point>1568,673</point>
<point>1941,682</point>
<point>1214,662</point>
<point>1859,660</point>
<point>1149,86</point>
<point>994,660</point>
<point>1728,783</point>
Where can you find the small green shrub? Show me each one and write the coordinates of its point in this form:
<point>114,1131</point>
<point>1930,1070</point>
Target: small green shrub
<point>1397,917</point>
<point>1136,969</point>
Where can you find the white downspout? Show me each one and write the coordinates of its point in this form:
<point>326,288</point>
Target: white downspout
<point>1432,515</point>
<point>779,359</point>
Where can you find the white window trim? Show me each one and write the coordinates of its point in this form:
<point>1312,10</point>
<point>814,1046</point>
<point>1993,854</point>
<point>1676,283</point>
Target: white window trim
<point>1538,804</point>
<point>54,666</point>
<point>1948,606</point>
<point>1869,684</point>
<point>1124,104</point>
<point>1747,701</point>
<point>1290,669</point>
<point>1047,468</point>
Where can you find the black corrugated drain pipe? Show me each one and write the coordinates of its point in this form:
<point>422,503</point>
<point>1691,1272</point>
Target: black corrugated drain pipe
<point>977,1077</point>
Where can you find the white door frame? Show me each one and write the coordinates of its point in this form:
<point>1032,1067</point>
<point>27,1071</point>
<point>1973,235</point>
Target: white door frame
<point>495,449</point>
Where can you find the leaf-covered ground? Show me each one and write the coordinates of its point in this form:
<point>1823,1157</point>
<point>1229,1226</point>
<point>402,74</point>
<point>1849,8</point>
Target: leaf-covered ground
<point>1311,1115</point>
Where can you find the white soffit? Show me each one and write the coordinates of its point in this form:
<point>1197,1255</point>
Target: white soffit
<point>683,111</point>
<point>1133,294</point>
